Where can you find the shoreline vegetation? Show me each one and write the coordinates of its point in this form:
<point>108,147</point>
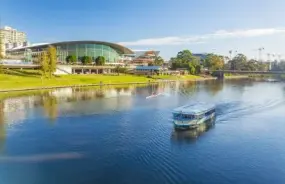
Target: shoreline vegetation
<point>27,80</point>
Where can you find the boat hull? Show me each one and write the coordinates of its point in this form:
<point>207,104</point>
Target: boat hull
<point>191,124</point>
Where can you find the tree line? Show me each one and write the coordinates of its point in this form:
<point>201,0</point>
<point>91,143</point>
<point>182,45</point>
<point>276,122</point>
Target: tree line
<point>186,60</point>
<point>99,61</point>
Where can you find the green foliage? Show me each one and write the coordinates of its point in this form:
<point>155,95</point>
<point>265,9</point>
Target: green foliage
<point>185,59</point>
<point>52,60</point>
<point>120,69</point>
<point>47,60</point>
<point>43,61</point>
<point>238,62</point>
<point>100,61</point>
<point>71,59</point>
<point>214,62</point>
<point>150,64</point>
<point>158,61</point>
<point>86,60</point>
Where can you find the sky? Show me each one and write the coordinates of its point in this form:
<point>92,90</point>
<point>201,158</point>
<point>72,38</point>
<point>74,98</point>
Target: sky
<point>169,26</point>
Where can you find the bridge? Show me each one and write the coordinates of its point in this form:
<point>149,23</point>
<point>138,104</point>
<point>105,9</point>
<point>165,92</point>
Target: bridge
<point>220,73</point>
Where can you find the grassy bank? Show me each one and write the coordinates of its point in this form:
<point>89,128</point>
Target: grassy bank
<point>17,79</point>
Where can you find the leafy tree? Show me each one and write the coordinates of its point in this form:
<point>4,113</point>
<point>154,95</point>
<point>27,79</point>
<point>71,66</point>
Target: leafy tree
<point>86,60</point>
<point>52,59</point>
<point>71,59</point>
<point>251,65</point>
<point>185,59</point>
<point>238,62</point>
<point>185,56</point>
<point>214,62</point>
<point>194,66</point>
<point>1,55</point>
<point>158,61</point>
<point>100,61</point>
<point>43,61</point>
<point>150,64</point>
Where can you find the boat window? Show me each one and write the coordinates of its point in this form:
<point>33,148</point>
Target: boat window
<point>188,116</point>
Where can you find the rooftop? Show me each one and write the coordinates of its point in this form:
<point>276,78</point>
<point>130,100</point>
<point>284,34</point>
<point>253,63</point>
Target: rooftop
<point>194,108</point>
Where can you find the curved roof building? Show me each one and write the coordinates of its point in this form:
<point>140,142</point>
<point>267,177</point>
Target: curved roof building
<point>111,51</point>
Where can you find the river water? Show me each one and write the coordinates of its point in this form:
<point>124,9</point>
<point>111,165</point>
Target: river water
<point>116,135</point>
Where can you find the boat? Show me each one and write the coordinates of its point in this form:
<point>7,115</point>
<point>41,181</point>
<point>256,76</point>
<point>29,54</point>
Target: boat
<point>153,95</point>
<point>191,116</point>
<point>271,80</point>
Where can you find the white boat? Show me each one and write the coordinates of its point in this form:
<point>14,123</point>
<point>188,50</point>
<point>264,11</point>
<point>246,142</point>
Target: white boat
<point>153,95</point>
<point>190,116</point>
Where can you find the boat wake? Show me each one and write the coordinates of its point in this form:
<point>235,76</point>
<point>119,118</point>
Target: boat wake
<point>234,110</point>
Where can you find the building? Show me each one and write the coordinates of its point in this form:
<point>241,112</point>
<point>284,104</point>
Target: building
<point>142,57</point>
<point>11,37</point>
<point>113,53</point>
<point>201,56</point>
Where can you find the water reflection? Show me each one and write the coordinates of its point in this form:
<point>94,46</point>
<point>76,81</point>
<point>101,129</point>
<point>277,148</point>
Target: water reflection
<point>191,135</point>
<point>2,127</point>
<point>50,106</point>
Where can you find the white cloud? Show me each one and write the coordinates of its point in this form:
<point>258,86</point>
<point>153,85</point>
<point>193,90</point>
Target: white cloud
<point>197,39</point>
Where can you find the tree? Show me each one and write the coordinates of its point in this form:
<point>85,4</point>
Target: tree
<point>252,65</point>
<point>214,62</point>
<point>100,61</point>
<point>71,59</point>
<point>238,62</point>
<point>86,60</point>
<point>185,59</point>
<point>43,61</point>
<point>120,69</point>
<point>1,55</point>
<point>194,66</point>
<point>52,59</point>
<point>150,64</point>
<point>158,61</point>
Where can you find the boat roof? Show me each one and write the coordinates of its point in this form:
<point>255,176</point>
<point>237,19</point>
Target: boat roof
<point>194,108</point>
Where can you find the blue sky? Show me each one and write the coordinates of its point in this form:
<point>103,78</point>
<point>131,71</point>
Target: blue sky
<point>165,25</point>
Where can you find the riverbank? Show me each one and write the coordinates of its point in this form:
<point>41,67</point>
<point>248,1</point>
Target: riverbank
<point>28,80</point>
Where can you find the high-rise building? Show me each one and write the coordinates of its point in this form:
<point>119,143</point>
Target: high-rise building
<point>11,38</point>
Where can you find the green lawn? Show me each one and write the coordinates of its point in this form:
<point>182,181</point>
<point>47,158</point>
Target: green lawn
<point>17,79</point>
<point>173,77</point>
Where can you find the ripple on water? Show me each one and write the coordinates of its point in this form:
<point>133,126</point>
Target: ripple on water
<point>238,109</point>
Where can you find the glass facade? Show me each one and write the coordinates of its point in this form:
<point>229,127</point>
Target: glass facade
<point>92,50</point>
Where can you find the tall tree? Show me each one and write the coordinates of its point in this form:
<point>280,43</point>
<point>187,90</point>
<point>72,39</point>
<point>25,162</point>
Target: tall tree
<point>44,64</point>
<point>71,59</point>
<point>238,62</point>
<point>158,61</point>
<point>100,61</point>
<point>52,60</point>
<point>214,62</point>
<point>183,59</point>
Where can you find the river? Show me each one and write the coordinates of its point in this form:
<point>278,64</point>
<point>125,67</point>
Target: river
<point>116,135</point>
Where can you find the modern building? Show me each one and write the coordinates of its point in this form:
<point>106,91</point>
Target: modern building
<point>113,53</point>
<point>201,56</point>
